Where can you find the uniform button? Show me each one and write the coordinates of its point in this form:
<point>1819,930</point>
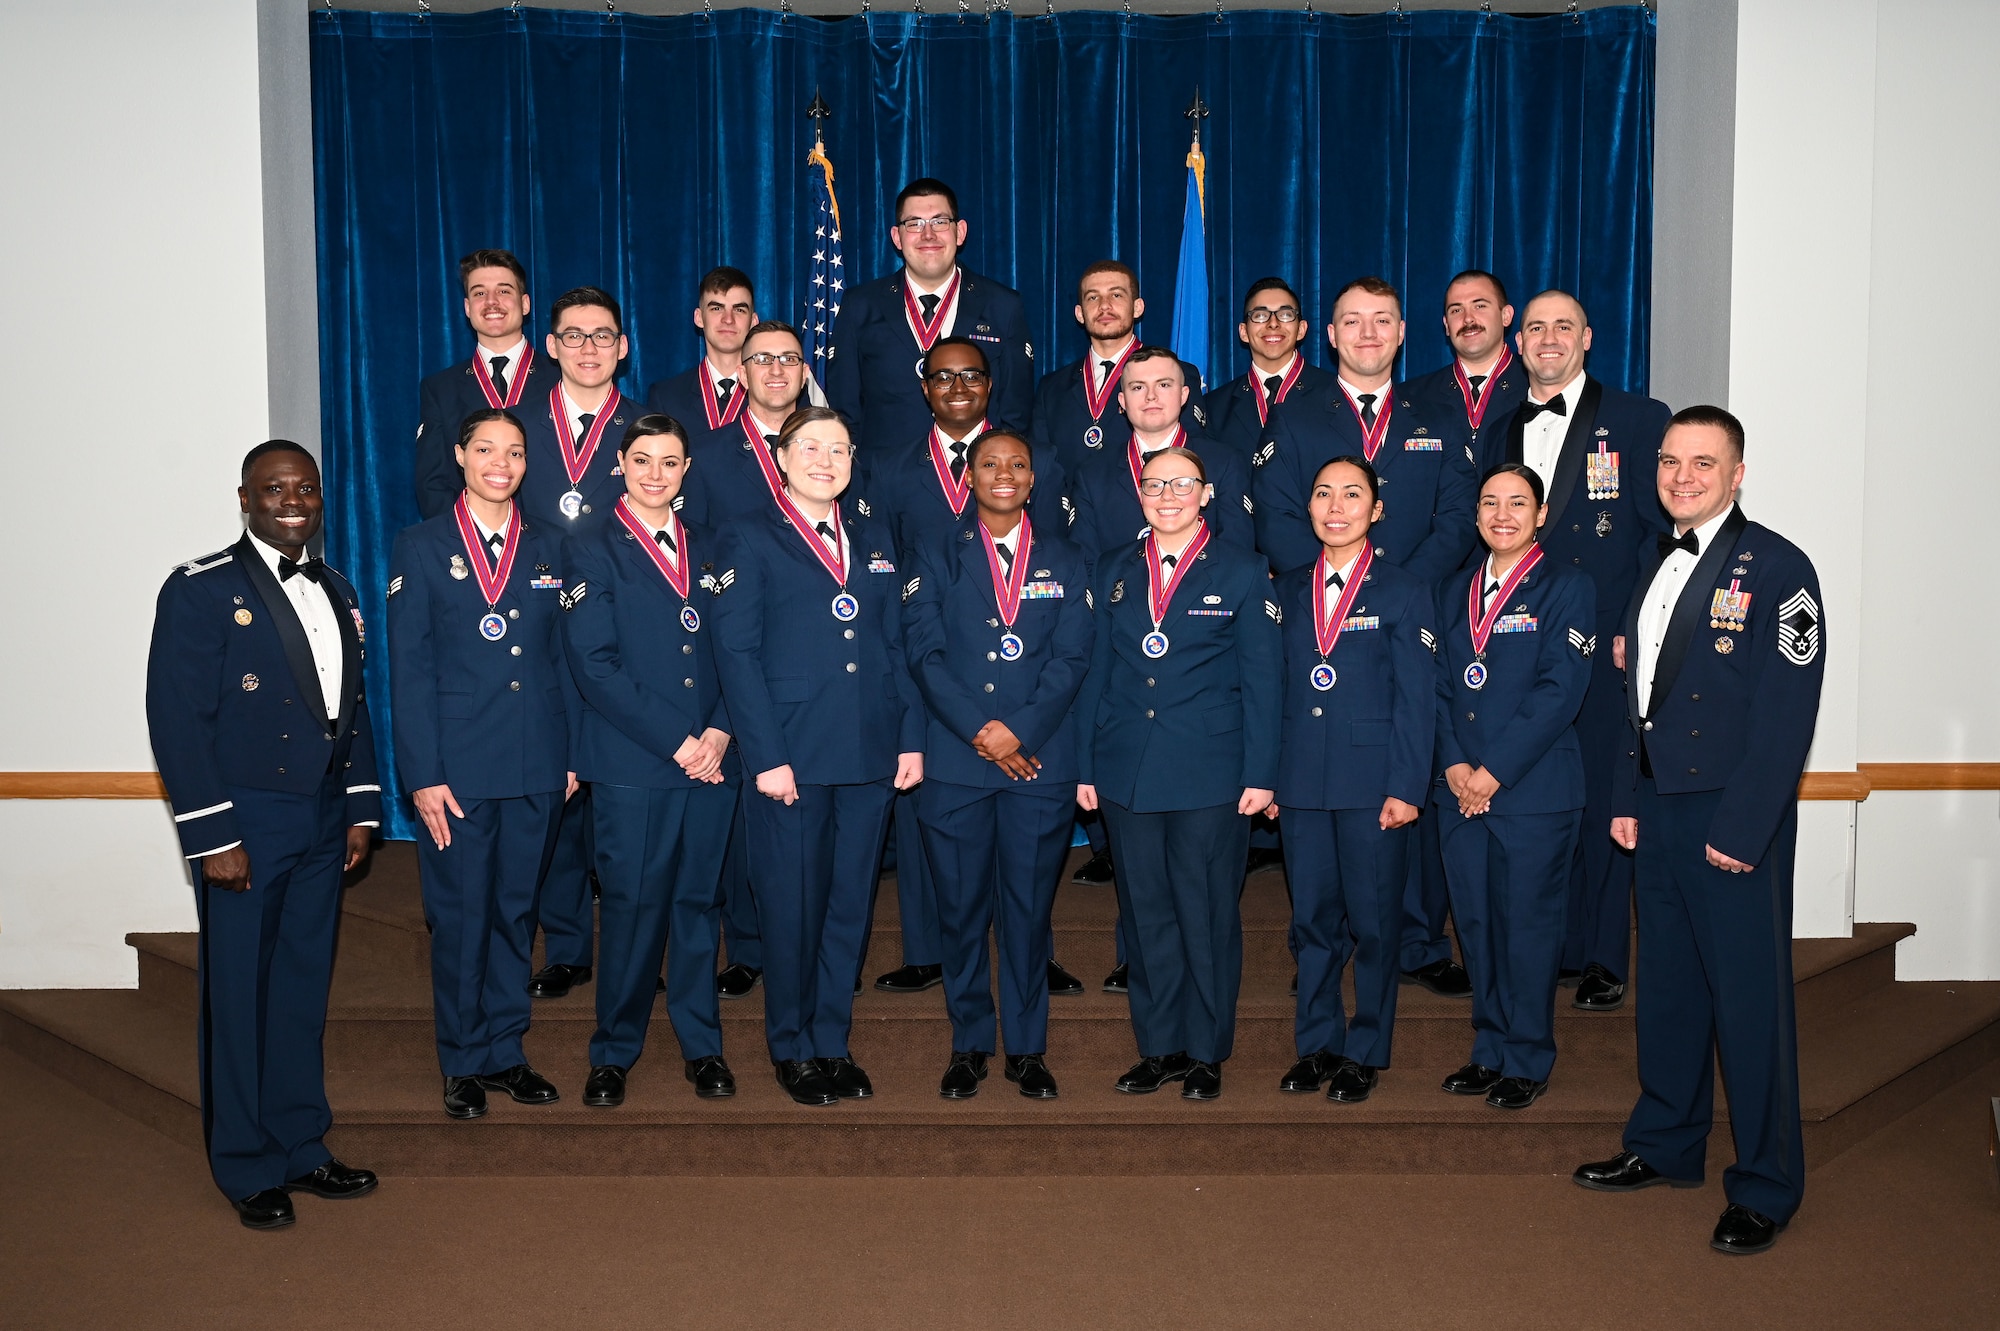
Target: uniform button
<point>514,614</point>
<point>1149,713</point>
<point>586,508</point>
<point>1149,682</point>
<point>1694,771</point>
<point>281,771</point>
<point>1649,725</point>
<point>1468,716</point>
<point>993,623</point>
<point>1576,561</point>
<point>847,633</point>
<point>284,737</point>
<point>1694,734</point>
<point>1696,697</point>
<point>515,649</point>
<point>852,667</point>
<point>687,649</point>
<point>993,656</point>
<point>687,683</point>
<point>989,689</point>
<point>288,702</point>
<point>1315,711</point>
<point>347,764</point>
<point>514,684</point>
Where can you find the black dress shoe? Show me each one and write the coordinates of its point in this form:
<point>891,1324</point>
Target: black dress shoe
<point>962,1075</point>
<point>804,1082</point>
<point>1150,1074</point>
<point>1624,1172</point>
<point>1446,978</point>
<point>1351,1082</point>
<point>1599,991</point>
<point>1309,1073</point>
<point>557,980</point>
<point>737,981</point>
<point>1741,1231</point>
<point>711,1077</point>
<point>660,985</point>
<point>1096,869</point>
<point>1515,1093</point>
<point>1263,858</point>
<point>910,979</point>
<point>1119,981</point>
<point>1568,979</point>
<point>1472,1079</point>
<point>335,1182</point>
<point>604,1088</point>
<point>1061,982</point>
<point>849,1081</point>
<point>464,1097</point>
<point>1203,1081</point>
<point>525,1085</point>
<point>269,1209</point>
<point>1032,1075</point>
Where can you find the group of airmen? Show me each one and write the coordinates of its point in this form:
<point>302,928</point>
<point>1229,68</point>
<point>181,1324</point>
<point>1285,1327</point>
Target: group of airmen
<point>669,678</point>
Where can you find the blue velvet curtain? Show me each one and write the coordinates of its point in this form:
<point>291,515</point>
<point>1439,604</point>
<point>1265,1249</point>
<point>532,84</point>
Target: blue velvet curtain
<point>634,153</point>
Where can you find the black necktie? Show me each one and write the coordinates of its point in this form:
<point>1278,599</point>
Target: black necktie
<point>770,441</point>
<point>310,568</point>
<point>666,541</point>
<point>1104,369</point>
<point>1554,406</point>
<point>1475,380</point>
<point>1687,542</point>
<point>930,304</point>
<point>1006,556</point>
<point>825,531</point>
<point>500,375</point>
<point>1271,386</point>
<point>723,388</point>
<point>583,425</point>
<point>958,461</point>
<point>1335,581</point>
<point>496,543</point>
<point>1367,411</point>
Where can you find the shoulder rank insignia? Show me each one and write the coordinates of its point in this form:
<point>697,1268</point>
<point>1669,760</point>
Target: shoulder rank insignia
<point>1798,628</point>
<point>206,562</point>
<point>1264,454</point>
<point>861,507</point>
<point>1271,609</point>
<point>1429,640</point>
<point>718,583</point>
<point>395,584</point>
<point>910,587</point>
<point>1584,646</point>
<point>1089,601</point>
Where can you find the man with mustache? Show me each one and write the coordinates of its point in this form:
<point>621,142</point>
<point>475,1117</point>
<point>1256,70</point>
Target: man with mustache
<point>1470,399</point>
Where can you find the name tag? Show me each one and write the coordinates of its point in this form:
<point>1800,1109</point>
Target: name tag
<point>545,584</point>
<point>1042,591</point>
<point>1423,445</point>
<point>1515,624</point>
<point>1361,623</point>
<point>881,566</point>
<point>1213,614</point>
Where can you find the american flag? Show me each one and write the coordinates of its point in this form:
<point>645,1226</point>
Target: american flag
<point>828,280</point>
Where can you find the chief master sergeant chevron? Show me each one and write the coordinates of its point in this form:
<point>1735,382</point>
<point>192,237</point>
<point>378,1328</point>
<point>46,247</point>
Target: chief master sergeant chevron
<point>260,727</point>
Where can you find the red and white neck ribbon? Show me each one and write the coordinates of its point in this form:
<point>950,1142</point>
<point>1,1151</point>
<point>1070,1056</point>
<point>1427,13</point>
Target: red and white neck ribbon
<point>1136,460</point>
<point>672,567</point>
<point>833,561</point>
<point>484,374</point>
<point>1477,403</point>
<point>1482,625</point>
<point>955,491</point>
<point>1159,596</point>
<point>926,331</point>
<point>492,577</point>
<point>1097,399</point>
<point>1284,387</point>
<point>1327,626</point>
<point>576,458</point>
<point>718,419</point>
<point>1371,440</point>
<point>1008,581</point>
<point>762,452</point>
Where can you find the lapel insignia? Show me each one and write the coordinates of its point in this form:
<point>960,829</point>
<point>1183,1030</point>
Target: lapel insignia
<point>1042,573</point>
<point>1117,591</point>
<point>1211,600</point>
<point>966,536</point>
<point>243,616</point>
<point>249,683</point>
<point>458,568</point>
<point>541,568</point>
<point>1603,524</point>
<point>709,567</point>
<point>1725,644</point>
<point>983,328</point>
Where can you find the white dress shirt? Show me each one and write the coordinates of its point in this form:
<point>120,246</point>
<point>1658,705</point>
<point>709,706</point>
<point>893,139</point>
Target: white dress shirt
<point>576,430</point>
<point>514,354</point>
<point>320,621</point>
<point>950,307</point>
<point>1333,593</point>
<point>1542,438</point>
<point>735,378</point>
<point>1263,376</point>
<point>1381,394</point>
<point>1094,364</point>
<point>1657,611</point>
<point>1006,543</point>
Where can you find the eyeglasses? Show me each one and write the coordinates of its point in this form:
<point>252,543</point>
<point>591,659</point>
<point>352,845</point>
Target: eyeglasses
<point>811,450</point>
<point>765,359</point>
<point>1183,486</point>
<point>943,378</point>
<point>916,226</point>
<point>576,337</point>
<point>1284,314</point>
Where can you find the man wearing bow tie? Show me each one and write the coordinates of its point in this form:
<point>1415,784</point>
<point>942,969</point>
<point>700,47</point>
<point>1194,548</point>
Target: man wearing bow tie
<point>1596,449</point>
<point>260,726</point>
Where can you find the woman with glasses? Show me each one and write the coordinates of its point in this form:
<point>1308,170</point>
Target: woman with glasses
<point>1354,771</point>
<point>1515,637</point>
<point>1177,744</point>
<point>653,741</point>
<point>808,606</point>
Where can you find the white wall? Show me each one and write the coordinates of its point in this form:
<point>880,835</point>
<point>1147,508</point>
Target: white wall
<point>132,279</point>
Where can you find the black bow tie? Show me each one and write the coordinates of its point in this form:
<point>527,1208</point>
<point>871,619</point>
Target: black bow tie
<point>308,568</point>
<point>1554,406</point>
<point>1687,542</point>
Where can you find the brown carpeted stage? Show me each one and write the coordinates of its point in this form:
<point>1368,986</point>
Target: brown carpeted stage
<point>1097,1210</point>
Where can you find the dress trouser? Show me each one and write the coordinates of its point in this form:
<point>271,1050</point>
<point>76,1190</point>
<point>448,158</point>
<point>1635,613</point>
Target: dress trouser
<point>563,906</point>
<point>739,905</point>
<point>813,865</point>
<point>998,853</point>
<point>265,961</point>
<point>479,898</point>
<point>1425,900</point>
<point>916,889</point>
<point>1509,875</point>
<point>1599,927</point>
<point>659,870</point>
<point>1715,951</point>
<point>1347,877</point>
<point>1180,877</point>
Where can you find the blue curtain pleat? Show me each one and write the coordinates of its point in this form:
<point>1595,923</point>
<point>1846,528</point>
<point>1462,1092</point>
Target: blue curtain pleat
<point>636,153</point>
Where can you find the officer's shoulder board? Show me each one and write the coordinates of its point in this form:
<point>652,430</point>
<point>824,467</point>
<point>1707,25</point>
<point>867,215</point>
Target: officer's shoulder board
<point>207,562</point>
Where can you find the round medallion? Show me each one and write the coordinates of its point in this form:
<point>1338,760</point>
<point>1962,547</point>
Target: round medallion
<point>1154,644</point>
<point>243,616</point>
<point>1010,647</point>
<point>845,607</point>
<point>493,627</point>
<point>571,503</point>
<point>1094,437</point>
<point>690,620</point>
<point>1323,677</point>
<point>1725,644</point>
<point>1475,675</point>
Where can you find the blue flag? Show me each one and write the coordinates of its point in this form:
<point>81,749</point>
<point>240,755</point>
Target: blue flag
<point>1190,327</point>
<point>828,281</point>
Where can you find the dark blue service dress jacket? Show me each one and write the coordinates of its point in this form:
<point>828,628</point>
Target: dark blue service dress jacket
<point>1428,488</point>
<point>1104,499</point>
<point>953,630</point>
<point>1231,407</point>
<point>1065,426</point>
<point>901,486</point>
<point>546,480</point>
<point>1440,401</point>
<point>488,717</point>
<point>1370,736</point>
<point>448,397</point>
<point>233,698</point>
<point>874,364</point>
<point>1196,727</point>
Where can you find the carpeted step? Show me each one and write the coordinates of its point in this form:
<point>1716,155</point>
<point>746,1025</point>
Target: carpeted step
<point>136,1056</point>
